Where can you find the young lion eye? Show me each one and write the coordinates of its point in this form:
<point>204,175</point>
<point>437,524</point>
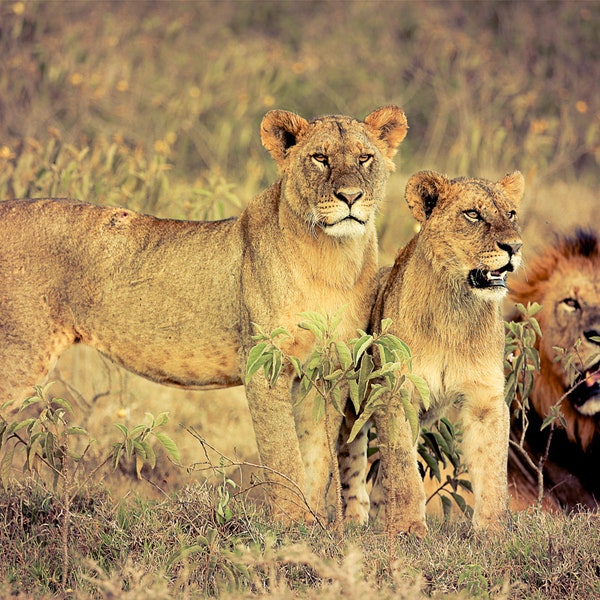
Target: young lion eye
<point>571,303</point>
<point>472,215</point>
<point>320,158</point>
<point>363,159</point>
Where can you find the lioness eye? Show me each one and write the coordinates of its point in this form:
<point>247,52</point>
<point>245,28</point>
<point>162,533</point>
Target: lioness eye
<point>571,303</point>
<point>320,158</point>
<point>511,214</point>
<point>363,159</point>
<point>472,215</point>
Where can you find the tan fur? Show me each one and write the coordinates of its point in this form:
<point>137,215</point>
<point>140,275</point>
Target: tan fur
<point>455,333</point>
<point>565,280</point>
<point>175,301</point>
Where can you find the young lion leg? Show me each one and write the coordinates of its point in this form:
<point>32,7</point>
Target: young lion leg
<point>352,457</point>
<point>399,475</point>
<point>278,447</point>
<point>485,420</point>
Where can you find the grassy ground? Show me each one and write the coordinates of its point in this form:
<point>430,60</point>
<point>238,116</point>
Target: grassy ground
<point>157,106</point>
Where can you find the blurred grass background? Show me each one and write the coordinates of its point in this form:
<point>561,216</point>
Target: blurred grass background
<point>156,105</point>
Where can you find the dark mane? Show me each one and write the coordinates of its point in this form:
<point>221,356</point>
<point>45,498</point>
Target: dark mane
<point>583,242</point>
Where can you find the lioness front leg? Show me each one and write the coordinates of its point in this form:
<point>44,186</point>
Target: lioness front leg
<point>399,475</point>
<point>318,445</point>
<point>485,420</point>
<point>278,447</point>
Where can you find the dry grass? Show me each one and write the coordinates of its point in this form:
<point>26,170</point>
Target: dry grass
<point>156,106</point>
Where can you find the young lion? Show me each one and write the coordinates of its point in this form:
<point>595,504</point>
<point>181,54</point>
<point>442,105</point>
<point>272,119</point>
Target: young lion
<point>175,301</point>
<point>443,294</point>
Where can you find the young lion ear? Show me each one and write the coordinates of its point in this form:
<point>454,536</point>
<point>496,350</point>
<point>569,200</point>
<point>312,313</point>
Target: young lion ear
<point>423,191</point>
<point>389,125</point>
<point>513,185</point>
<point>279,131</point>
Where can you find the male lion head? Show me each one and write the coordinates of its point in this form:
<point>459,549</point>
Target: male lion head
<point>565,280</point>
<point>334,168</point>
<point>471,228</point>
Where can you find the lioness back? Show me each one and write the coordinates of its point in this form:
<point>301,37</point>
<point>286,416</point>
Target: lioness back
<point>107,279</point>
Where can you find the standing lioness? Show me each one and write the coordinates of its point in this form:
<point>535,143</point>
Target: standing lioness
<point>175,301</point>
<point>443,295</point>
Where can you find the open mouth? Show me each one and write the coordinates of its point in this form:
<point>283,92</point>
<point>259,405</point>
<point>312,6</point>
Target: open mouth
<point>483,279</point>
<point>586,388</point>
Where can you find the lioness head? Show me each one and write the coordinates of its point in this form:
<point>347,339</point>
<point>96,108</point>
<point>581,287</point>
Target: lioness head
<point>334,168</point>
<point>565,280</point>
<point>471,225</point>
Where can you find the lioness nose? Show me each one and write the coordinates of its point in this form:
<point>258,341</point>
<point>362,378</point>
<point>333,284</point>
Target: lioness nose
<point>510,248</point>
<point>349,195</point>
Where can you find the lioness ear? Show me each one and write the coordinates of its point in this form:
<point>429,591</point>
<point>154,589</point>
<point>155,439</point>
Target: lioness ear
<point>389,125</point>
<point>423,191</point>
<point>513,185</point>
<point>279,131</point>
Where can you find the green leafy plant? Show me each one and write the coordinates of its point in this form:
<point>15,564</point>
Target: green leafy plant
<point>522,362</point>
<point>438,450</point>
<point>47,443</point>
<point>337,369</point>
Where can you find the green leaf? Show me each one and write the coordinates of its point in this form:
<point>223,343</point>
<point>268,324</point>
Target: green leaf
<point>5,465</point>
<point>255,359</point>
<point>361,420</point>
<point>318,408</point>
<point>356,401</point>
<point>344,354</point>
<point>421,387</point>
<point>75,430</point>
<point>366,368</point>
<point>280,331</point>
<point>360,347</point>
<point>122,429</point>
<point>64,404</point>
<point>275,368</point>
<point>168,444</point>
<point>297,365</point>
<point>161,419</point>
<point>412,416</point>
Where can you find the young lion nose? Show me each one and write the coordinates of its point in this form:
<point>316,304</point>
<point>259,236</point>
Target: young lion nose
<point>349,195</point>
<point>510,248</point>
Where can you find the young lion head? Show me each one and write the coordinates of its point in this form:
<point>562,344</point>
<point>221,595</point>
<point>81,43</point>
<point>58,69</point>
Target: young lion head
<point>334,168</point>
<point>565,280</point>
<point>471,226</point>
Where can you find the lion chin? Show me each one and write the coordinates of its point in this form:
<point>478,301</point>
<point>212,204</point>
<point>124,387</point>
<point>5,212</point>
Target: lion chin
<point>348,227</point>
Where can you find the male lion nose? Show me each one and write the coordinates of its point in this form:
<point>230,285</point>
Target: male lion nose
<point>510,249</point>
<point>349,195</point>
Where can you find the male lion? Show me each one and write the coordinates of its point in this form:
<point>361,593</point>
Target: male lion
<point>176,301</point>
<point>565,280</point>
<point>443,294</point>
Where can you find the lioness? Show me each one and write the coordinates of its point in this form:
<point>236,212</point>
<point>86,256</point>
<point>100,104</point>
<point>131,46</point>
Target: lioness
<point>565,279</point>
<point>443,294</point>
<point>175,301</point>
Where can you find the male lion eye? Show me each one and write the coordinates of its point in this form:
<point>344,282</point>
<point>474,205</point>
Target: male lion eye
<point>320,158</point>
<point>571,303</point>
<point>472,215</point>
<point>363,159</point>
